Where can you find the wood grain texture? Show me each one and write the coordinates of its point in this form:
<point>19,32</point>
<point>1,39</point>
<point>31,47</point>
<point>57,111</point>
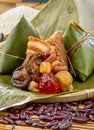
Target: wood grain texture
<point>10,1</point>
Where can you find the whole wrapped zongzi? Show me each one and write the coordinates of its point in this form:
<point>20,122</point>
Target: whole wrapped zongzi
<point>13,52</point>
<point>80,47</point>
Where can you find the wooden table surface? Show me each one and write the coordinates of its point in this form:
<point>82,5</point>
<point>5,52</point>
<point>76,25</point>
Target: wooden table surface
<point>8,4</point>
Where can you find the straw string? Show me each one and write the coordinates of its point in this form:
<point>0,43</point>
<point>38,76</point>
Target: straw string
<point>77,45</point>
<point>13,56</point>
<point>73,49</point>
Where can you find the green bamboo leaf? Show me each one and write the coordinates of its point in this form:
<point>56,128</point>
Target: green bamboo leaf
<point>54,16</point>
<point>81,50</point>
<point>14,49</point>
<point>11,96</point>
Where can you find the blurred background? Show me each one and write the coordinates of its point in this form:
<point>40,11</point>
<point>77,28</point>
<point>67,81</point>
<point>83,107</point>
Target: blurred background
<point>8,4</point>
<point>85,9</point>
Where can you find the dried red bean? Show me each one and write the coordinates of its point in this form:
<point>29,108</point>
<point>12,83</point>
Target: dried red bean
<point>45,118</point>
<point>40,111</point>
<point>51,57</point>
<point>86,102</point>
<point>28,112</point>
<point>49,109</point>
<point>92,112</point>
<point>11,109</point>
<point>13,116</point>
<point>89,106</point>
<point>22,115</point>
<point>50,105</point>
<point>20,122</point>
<point>53,112</point>
<point>59,108</point>
<point>60,113</point>
<point>34,112</point>
<point>59,117</point>
<point>84,110</point>
<point>30,122</point>
<point>55,127</point>
<point>59,68</point>
<point>74,103</point>
<point>30,108</point>
<point>39,125</point>
<point>65,124</point>
<point>67,105</point>
<point>9,120</point>
<point>91,117</point>
<point>79,119</point>
<point>86,115</point>
<point>52,123</point>
<point>16,111</point>
<point>28,116</point>
<point>2,121</point>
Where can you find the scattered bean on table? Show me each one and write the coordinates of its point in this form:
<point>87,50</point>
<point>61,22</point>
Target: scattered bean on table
<point>56,116</point>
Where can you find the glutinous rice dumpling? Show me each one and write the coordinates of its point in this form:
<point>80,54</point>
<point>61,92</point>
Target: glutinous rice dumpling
<point>80,47</point>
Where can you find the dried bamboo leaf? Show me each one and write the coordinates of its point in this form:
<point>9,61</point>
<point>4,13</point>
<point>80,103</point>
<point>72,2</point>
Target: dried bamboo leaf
<point>54,16</point>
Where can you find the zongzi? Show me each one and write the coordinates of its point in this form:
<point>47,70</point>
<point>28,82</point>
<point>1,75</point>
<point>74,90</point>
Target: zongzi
<point>46,64</point>
<point>80,47</point>
<point>13,52</point>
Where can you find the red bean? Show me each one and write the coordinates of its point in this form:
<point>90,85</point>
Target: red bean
<point>25,114</point>
<point>61,113</point>
<point>59,117</point>
<point>9,120</point>
<point>51,57</point>
<point>86,102</point>
<point>20,122</point>
<point>84,110</point>
<point>40,111</point>
<point>2,121</point>
<point>45,118</point>
<point>52,113</point>
<point>92,111</point>
<point>22,115</point>
<point>67,105</point>
<point>49,109</point>
<point>52,123</point>
<point>89,106</point>
<point>66,124</point>
<point>30,122</point>
<point>91,117</point>
<point>16,111</point>
<point>30,108</point>
<point>79,119</point>
<point>59,68</point>
<point>50,105</point>
<point>55,127</point>
<point>14,116</point>
<point>39,125</point>
<point>74,103</point>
